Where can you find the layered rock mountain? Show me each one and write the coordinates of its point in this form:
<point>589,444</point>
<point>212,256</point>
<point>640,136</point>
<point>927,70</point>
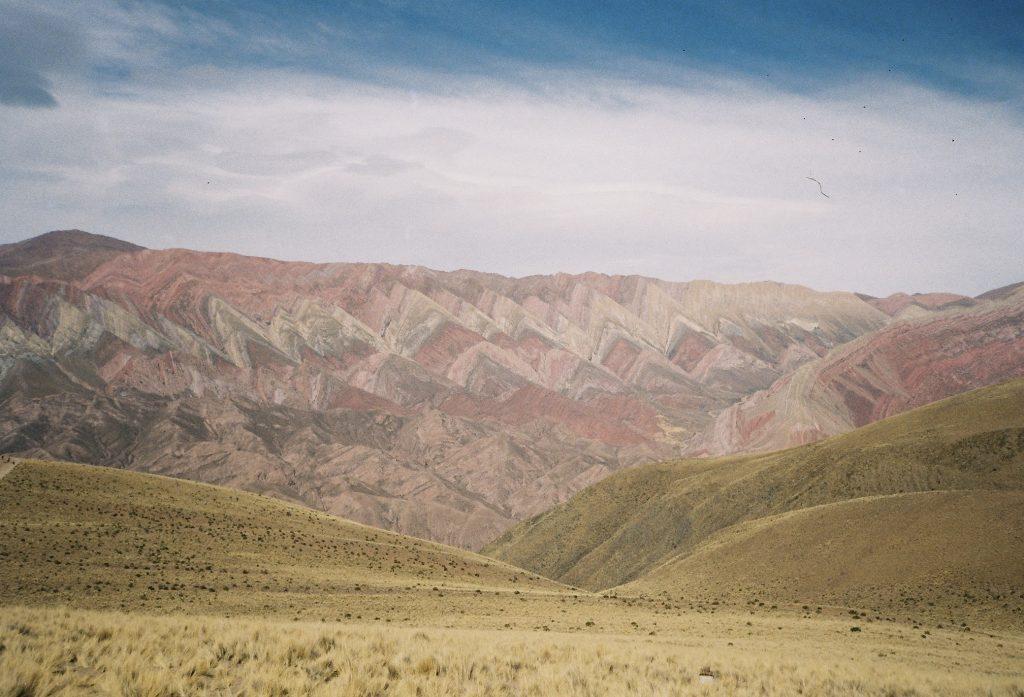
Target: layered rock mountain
<point>446,405</point>
<point>919,358</point>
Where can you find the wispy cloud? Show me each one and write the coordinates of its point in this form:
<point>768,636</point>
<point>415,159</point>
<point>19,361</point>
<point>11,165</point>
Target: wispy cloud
<point>703,175</point>
<point>34,48</point>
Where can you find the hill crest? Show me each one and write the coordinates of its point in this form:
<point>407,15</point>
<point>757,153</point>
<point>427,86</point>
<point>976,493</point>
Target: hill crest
<point>630,523</point>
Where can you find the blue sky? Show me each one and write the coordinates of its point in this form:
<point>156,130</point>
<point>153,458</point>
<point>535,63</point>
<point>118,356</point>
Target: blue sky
<point>798,45</point>
<point>667,139</point>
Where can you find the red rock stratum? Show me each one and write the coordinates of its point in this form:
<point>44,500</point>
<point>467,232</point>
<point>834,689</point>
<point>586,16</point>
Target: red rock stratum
<point>446,405</point>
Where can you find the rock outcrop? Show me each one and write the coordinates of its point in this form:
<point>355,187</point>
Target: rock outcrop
<point>907,364</point>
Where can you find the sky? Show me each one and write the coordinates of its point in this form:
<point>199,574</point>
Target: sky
<point>679,140</point>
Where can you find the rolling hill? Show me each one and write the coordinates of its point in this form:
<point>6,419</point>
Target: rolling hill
<point>115,582</point>
<point>77,534</point>
<point>644,524</point>
<point>954,555</point>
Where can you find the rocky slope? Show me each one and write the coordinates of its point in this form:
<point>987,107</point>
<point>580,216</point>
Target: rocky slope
<point>905,305</point>
<point>910,362</point>
<point>446,405</point>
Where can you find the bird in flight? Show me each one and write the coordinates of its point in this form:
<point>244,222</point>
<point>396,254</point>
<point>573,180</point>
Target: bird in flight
<point>819,187</point>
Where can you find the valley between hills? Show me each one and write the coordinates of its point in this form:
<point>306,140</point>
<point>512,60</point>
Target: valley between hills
<point>377,348</point>
<point>449,405</point>
<point>226,475</point>
<point>115,582</point>
<point>923,510</point>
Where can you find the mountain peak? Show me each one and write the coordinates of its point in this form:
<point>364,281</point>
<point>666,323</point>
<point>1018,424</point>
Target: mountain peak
<point>1001,293</point>
<point>66,255</point>
<point>77,238</point>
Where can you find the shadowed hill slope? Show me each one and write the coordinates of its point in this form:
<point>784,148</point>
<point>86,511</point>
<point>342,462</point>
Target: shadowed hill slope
<point>957,556</point>
<point>64,255</point>
<point>624,526</point>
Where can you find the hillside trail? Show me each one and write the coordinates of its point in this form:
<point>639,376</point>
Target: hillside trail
<point>6,467</point>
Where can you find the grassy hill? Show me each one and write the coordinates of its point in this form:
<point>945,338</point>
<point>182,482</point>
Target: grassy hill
<point>113,582</point>
<point>630,523</point>
<point>123,540</point>
<point>957,556</point>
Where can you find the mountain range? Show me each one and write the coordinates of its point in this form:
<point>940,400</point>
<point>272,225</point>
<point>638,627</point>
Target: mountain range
<point>449,405</point>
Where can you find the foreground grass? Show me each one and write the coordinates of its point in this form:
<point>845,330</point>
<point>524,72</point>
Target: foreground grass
<point>116,583</point>
<point>49,651</point>
<point>954,558</point>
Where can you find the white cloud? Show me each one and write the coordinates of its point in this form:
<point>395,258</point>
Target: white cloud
<point>578,174</point>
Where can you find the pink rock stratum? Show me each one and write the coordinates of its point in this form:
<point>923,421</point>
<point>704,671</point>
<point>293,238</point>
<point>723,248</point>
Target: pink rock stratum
<point>447,405</point>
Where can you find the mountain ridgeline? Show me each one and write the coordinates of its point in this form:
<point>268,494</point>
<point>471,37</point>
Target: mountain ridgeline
<point>448,405</point>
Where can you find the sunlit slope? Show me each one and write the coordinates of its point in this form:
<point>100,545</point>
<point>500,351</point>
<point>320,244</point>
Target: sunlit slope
<point>103,537</point>
<point>954,555</point>
<point>630,522</point>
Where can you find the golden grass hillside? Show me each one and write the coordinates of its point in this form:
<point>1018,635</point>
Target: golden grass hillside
<point>954,556</point>
<point>629,523</point>
<point>116,583</point>
<point>122,540</point>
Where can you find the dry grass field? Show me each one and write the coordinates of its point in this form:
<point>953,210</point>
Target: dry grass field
<point>117,583</point>
<point>63,652</point>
